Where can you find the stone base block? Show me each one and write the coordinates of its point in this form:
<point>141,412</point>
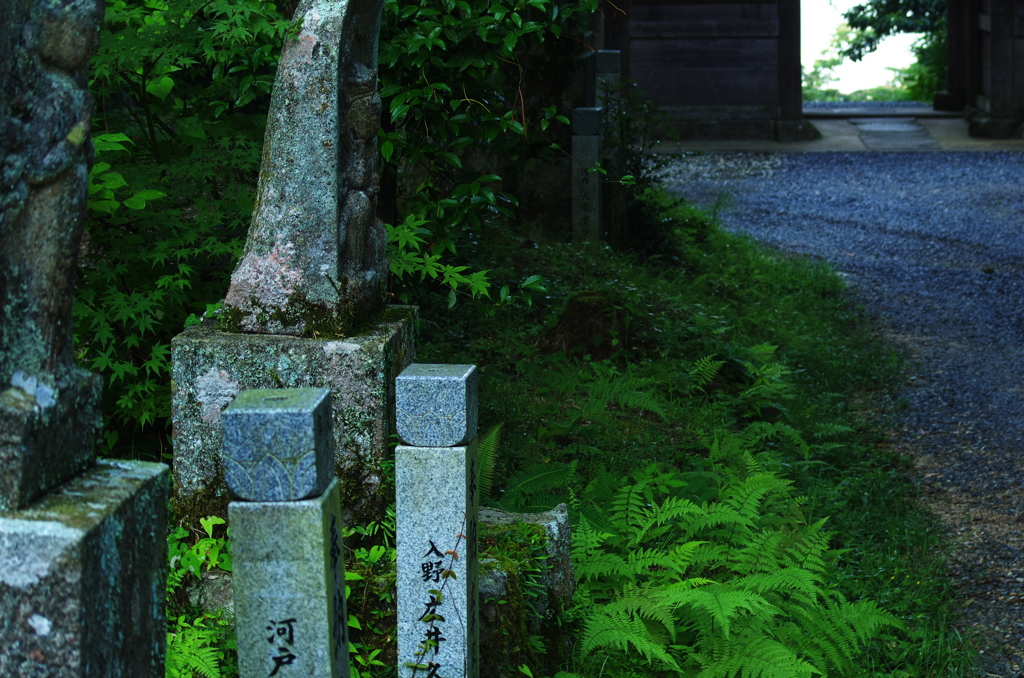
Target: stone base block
<point>37,420</point>
<point>82,577</point>
<point>436,539</point>
<point>289,587</point>
<point>211,367</point>
<point>505,628</point>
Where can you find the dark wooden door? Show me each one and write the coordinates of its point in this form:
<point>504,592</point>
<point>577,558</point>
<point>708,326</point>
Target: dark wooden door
<point>724,58</point>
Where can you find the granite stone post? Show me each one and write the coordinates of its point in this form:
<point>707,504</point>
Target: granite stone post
<point>586,182</point>
<point>436,522</point>
<point>289,572</point>
<point>82,544</point>
<point>305,307</point>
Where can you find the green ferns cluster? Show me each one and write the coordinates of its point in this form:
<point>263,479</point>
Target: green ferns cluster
<point>711,589</point>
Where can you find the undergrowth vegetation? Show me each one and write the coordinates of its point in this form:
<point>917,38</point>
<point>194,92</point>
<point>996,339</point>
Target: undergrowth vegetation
<point>712,412</point>
<point>714,418</point>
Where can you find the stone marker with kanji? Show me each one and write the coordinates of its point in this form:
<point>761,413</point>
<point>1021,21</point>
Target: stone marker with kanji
<point>286,535</point>
<point>436,522</point>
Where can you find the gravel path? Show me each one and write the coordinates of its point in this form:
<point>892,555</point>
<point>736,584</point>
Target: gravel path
<point>933,245</point>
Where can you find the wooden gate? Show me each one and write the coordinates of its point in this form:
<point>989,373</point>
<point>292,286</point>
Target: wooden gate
<point>720,68</point>
<point>986,65</point>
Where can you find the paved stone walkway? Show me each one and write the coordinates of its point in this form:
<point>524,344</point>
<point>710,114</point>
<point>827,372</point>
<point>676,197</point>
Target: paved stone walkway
<point>853,130</point>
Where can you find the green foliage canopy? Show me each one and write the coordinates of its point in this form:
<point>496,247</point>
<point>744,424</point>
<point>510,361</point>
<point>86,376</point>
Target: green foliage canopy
<point>878,19</point>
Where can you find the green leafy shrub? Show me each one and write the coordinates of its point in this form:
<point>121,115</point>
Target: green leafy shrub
<point>181,92</point>
<point>199,643</point>
<point>438,134</point>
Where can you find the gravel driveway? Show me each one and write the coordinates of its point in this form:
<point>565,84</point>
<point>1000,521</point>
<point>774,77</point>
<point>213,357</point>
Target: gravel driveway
<point>932,244</point>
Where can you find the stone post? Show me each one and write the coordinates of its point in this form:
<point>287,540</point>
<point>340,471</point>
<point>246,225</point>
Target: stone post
<point>286,544</point>
<point>586,183</point>
<point>608,86</point>
<point>305,307</point>
<point>82,543</point>
<point>436,526</point>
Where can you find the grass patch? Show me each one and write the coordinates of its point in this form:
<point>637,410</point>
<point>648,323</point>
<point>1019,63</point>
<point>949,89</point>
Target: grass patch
<point>716,362</point>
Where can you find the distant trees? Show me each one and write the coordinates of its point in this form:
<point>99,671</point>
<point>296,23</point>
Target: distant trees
<point>877,19</point>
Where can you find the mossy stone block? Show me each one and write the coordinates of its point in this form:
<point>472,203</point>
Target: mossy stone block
<point>210,367</point>
<point>83,576</point>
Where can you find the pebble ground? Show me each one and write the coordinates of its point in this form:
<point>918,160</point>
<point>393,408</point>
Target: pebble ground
<point>932,245</point>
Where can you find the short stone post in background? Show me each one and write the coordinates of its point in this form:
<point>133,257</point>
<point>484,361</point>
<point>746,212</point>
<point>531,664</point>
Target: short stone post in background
<point>436,521</point>
<point>603,78</point>
<point>608,89</point>
<point>586,182</point>
<point>286,543</point>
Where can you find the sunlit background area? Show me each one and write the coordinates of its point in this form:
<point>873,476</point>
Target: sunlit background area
<point>819,22</point>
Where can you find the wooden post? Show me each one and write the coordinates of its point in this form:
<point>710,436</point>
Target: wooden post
<point>790,88</point>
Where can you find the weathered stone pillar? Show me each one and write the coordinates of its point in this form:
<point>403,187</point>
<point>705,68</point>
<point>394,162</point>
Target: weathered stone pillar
<point>82,544</point>
<point>586,180</point>
<point>306,303</point>
<point>436,522</point>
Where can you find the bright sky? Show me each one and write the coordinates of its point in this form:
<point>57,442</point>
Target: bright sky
<point>819,18</point>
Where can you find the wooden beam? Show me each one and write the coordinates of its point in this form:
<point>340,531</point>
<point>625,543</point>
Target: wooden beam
<point>790,86</point>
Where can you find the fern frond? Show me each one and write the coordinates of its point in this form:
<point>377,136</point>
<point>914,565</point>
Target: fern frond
<point>622,631</point>
<point>645,401</point>
<point>829,430</point>
<point>746,496</point>
<point>670,510</point>
<point>599,565</point>
<point>487,455</point>
<point>721,603</point>
<point>704,371</point>
<point>756,656</point>
<point>645,604</point>
<point>800,584</point>
<point>536,479</point>
<point>586,539</point>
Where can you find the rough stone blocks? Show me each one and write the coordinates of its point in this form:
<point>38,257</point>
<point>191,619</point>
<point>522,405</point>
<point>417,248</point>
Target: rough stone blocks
<point>436,405</point>
<point>278,445</point>
<point>436,539</point>
<point>289,583</point>
<point>47,435</point>
<point>83,575</point>
<point>211,367</point>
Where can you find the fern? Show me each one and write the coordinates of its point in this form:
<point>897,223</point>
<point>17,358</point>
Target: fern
<point>714,590</point>
<point>487,455</point>
<point>192,650</point>
<point>537,479</point>
<point>704,372</point>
